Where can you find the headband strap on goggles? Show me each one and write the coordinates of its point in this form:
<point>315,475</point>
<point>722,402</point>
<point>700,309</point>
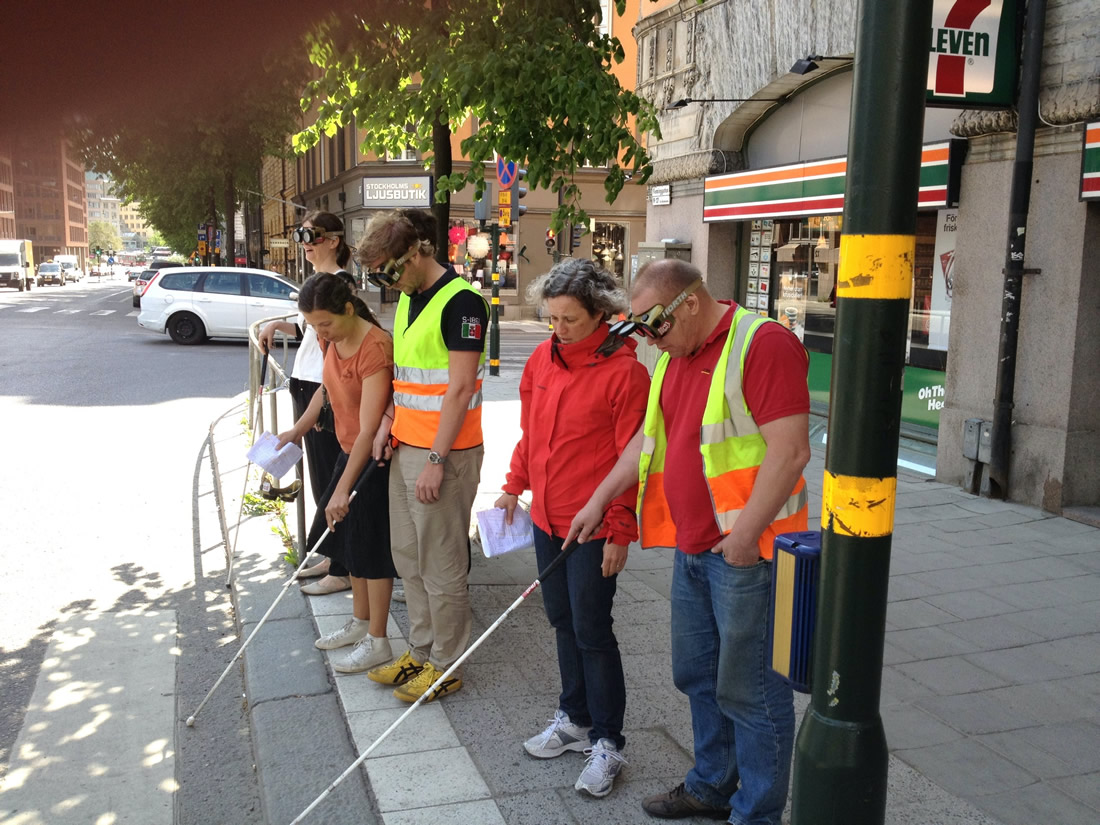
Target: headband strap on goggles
<point>311,234</point>
<point>656,321</point>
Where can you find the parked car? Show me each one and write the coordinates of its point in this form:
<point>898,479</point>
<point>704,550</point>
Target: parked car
<point>51,273</point>
<point>142,277</point>
<point>193,303</point>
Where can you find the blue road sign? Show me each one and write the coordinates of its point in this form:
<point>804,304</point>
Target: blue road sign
<point>506,172</point>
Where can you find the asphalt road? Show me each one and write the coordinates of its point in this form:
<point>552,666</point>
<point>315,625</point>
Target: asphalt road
<point>112,523</point>
<point>108,513</point>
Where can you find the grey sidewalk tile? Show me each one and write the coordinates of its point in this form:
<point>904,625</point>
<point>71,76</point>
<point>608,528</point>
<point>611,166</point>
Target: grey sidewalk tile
<point>282,751</point>
<point>917,544</point>
<point>910,727</point>
<point>1089,561</point>
<point>899,688</point>
<point>935,512</point>
<point>258,582</point>
<point>1085,789</point>
<point>327,623</point>
<point>281,661</point>
<point>652,754</point>
<point>535,808</point>
<point>332,604</point>
<point>1029,595</point>
<point>967,768</point>
<point>507,768</point>
<point>1010,517</point>
<point>1014,745</point>
<point>952,675</point>
<point>1079,654</point>
<point>642,612</point>
<point>359,694</point>
<point>1073,742</point>
<point>1083,588</point>
<point>932,642</point>
<point>481,812</point>
<point>927,498</point>
<point>955,579</point>
<point>894,655</point>
<point>991,633</point>
<point>427,726</point>
<point>915,613</point>
<point>975,713</point>
<point>640,591</point>
<point>1058,622</point>
<point>904,587</point>
<point>645,669</point>
<point>1022,665</point>
<point>959,525</point>
<point>935,560</point>
<point>622,805</point>
<point>984,506</point>
<point>950,812</point>
<point>1057,527</point>
<point>981,536</point>
<point>971,604</point>
<point>659,581</point>
<point>399,782</point>
<point>1049,702</point>
<point>1039,803</point>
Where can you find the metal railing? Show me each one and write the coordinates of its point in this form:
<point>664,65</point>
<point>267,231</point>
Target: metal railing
<point>276,380</point>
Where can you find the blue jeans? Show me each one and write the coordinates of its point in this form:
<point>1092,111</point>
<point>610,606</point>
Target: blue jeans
<point>742,714</point>
<point>578,604</point>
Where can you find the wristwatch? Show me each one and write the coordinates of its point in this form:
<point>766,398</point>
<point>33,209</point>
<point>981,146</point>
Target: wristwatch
<point>435,458</point>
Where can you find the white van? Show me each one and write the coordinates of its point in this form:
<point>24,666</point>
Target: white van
<point>16,264</point>
<point>71,265</point>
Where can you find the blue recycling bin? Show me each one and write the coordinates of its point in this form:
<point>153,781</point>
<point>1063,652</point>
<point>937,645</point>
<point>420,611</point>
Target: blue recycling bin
<point>796,562</point>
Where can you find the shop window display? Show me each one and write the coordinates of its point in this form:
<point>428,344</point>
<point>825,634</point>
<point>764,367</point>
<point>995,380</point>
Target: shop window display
<point>608,247</point>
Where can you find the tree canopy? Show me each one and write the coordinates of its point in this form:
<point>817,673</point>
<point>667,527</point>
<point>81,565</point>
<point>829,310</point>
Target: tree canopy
<point>187,165</point>
<point>103,235</point>
<point>535,75</point>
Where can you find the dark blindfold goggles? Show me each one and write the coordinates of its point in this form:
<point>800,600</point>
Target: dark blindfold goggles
<point>656,321</point>
<point>390,272</point>
<point>309,234</point>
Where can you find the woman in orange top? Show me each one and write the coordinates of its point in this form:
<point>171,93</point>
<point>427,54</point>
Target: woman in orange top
<point>358,377</point>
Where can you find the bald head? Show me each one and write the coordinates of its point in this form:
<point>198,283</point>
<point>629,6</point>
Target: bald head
<point>666,278</point>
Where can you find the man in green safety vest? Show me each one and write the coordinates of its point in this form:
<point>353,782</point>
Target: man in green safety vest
<point>719,465</point>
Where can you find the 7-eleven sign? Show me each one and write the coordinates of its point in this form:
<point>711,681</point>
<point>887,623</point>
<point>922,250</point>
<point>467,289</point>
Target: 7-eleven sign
<point>973,53</point>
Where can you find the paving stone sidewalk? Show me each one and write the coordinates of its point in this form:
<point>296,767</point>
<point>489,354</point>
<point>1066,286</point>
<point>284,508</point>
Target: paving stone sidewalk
<point>991,692</point>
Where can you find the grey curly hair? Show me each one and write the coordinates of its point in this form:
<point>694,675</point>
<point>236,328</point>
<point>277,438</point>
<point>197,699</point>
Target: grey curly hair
<point>597,290</point>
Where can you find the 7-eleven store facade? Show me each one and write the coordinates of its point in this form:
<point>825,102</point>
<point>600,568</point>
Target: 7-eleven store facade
<point>790,225</point>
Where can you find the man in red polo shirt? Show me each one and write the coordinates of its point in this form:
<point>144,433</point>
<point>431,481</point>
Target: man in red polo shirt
<point>719,461</point>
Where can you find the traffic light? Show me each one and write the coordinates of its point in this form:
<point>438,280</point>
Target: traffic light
<point>578,231</point>
<point>551,240</point>
<point>98,251</point>
<point>518,191</point>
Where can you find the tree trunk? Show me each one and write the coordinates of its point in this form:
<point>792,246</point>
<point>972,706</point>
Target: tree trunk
<point>229,245</point>
<point>441,147</point>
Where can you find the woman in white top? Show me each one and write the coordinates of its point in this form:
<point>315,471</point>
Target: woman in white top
<point>322,240</point>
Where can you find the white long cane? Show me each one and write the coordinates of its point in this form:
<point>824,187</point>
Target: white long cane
<point>550,568</point>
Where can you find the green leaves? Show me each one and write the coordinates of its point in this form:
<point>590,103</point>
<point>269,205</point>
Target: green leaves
<point>536,76</point>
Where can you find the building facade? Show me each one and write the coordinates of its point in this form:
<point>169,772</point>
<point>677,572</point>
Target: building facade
<point>50,204</point>
<point>102,202</point>
<point>752,190</point>
<point>7,191</point>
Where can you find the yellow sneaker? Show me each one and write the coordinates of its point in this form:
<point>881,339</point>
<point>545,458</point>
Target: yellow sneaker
<point>415,688</point>
<point>396,673</point>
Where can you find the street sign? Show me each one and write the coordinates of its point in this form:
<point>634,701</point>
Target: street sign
<point>278,243</point>
<point>504,217</point>
<point>506,172</point>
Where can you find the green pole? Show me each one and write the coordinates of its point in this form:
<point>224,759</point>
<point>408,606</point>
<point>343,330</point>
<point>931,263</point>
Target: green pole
<point>494,310</point>
<point>840,754</point>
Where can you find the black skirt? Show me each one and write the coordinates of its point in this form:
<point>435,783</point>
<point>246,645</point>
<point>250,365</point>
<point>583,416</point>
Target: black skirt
<point>361,542</point>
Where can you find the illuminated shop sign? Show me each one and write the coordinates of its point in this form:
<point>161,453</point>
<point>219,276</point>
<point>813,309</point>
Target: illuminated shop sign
<point>972,53</point>
<point>389,193</point>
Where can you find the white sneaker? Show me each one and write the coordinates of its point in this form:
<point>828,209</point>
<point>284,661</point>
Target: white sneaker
<point>604,764</point>
<point>349,634</point>
<point>560,736</point>
<point>367,653</point>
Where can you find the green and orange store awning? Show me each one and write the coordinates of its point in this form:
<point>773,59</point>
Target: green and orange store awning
<point>1090,163</point>
<point>817,187</point>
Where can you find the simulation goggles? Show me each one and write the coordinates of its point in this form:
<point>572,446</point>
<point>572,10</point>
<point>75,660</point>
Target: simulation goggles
<point>309,234</point>
<point>390,272</point>
<point>656,321</point>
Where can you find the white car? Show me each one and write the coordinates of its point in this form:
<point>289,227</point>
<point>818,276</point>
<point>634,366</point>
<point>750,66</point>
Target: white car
<point>192,303</point>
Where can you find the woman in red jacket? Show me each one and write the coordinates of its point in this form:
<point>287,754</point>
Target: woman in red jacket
<point>583,397</point>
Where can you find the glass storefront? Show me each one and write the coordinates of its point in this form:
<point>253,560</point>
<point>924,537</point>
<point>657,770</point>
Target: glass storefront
<point>793,264</point>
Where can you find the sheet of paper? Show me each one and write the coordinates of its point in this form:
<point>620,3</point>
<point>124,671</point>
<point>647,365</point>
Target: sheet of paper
<point>498,537</point>
<point>275,461</point>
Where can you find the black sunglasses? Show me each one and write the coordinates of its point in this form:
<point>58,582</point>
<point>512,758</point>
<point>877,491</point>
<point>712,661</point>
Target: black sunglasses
<point>656,321</point>
<point>309,234</point>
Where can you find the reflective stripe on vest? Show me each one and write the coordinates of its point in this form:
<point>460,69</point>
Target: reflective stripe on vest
<point>422,374</point>
<point>731,446</point>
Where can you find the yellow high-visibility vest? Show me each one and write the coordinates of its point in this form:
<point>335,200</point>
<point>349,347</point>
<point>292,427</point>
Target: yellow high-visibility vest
<point>730,443</point>
<point>422,372</point>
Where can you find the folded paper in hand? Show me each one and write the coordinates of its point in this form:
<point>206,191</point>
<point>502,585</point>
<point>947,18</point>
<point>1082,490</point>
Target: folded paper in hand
<point>498,537</point>
<point>275,461</point>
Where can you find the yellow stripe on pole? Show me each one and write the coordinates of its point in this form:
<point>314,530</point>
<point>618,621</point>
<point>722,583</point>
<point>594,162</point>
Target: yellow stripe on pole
<point>494,362</point>
<point>876,266</point>
<point>496,300</point>
<point>858,506</point>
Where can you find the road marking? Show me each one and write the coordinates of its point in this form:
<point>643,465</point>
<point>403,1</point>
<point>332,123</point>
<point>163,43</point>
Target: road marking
<point>104,312</point>
<point>33,309</point>
<point>66,311</point>
<point>133,314</point>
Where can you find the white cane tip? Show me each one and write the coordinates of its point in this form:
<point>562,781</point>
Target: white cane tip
<point>190,721</point>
